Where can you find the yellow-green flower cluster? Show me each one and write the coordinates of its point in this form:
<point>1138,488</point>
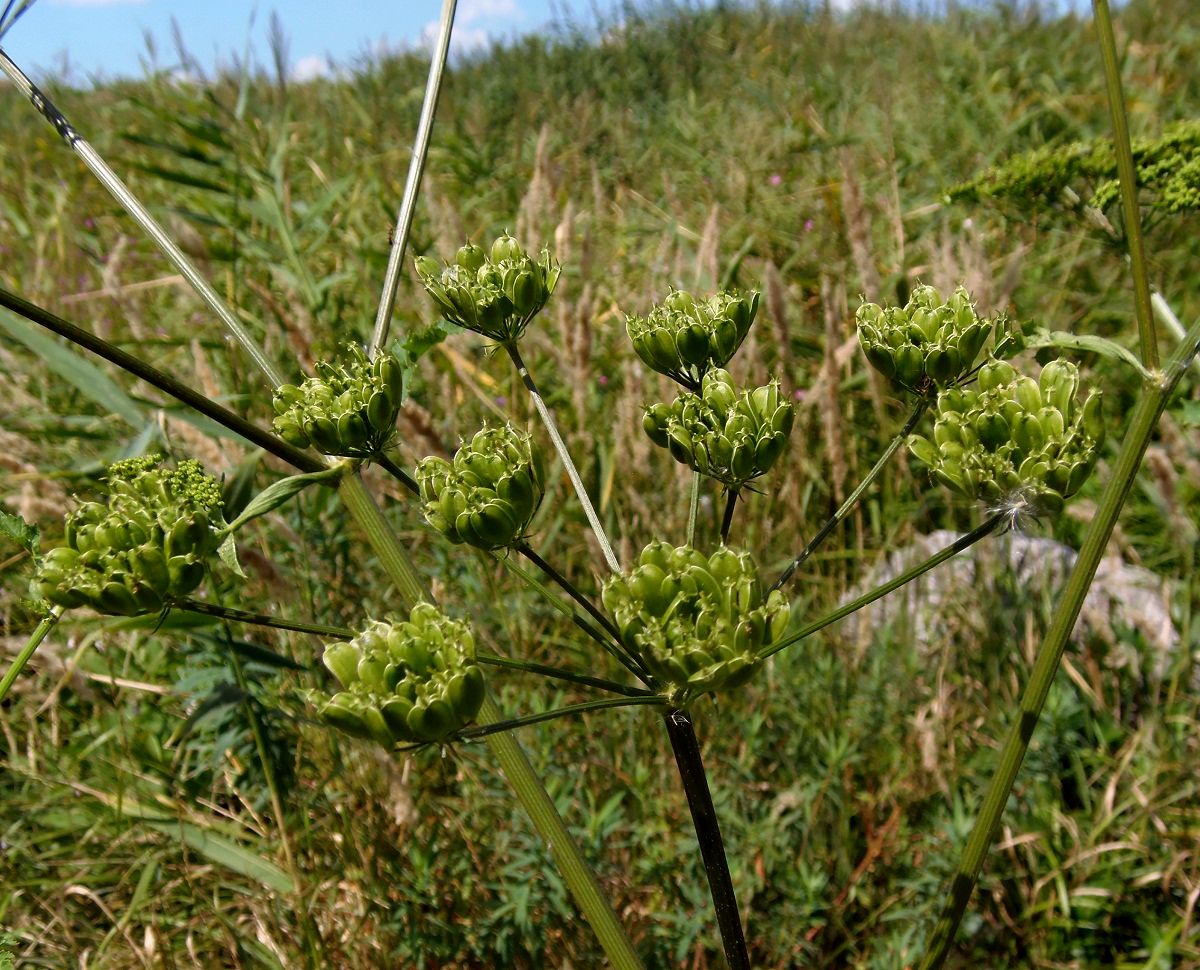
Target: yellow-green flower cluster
<point>349,409</point>
<point>494,293</point>
<point>730,437</point>
<point>926,344</point>
<point>488,494</point>
<point>142,547</point>
<point>698,622</point>
<point>413,681</point>
<point>1011,438</point>
<point>684,338</point>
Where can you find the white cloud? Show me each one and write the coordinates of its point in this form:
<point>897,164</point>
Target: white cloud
<point>310,68</point>
<point>471,10</point>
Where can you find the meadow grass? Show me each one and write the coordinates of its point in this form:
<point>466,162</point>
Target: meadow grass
<point>142,828</point>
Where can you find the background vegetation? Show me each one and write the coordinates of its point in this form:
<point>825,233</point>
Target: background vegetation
<point>762,146</point>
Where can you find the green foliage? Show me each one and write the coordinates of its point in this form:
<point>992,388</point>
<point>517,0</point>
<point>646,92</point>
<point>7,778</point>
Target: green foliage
<point>844,785</point>
<point>1167,168</point>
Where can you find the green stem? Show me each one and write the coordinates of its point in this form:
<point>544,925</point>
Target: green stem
<point>580,879</point>
<point>693,509</point>
<point>856,495</point>
<point>560,673</point>
<point>565,456</point>
<point>570,589</point>
<point>578,876</point>
<point>1142,421</point>
<point>571,709</point>
<point>731,497</point>
<point>108,178</point>
<point>959,544</point>
<point>303,460</point>
<point>261,619</point>
<point>40,632</point>
<point>416,167</point>
<point>1128,183</point>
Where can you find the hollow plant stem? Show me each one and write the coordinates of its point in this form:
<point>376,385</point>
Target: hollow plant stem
<point>731,498</point>
<point>120,191</point>
<point>708,833</point>
<point>412,185</point>
<point>580,880</point>
<point>958,545</point>
<point>853,499</point>
<point>40,632</point>
<point>1128,182</point>
<point>564,455</point>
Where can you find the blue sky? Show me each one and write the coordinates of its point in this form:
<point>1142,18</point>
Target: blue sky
<point>107,37</point>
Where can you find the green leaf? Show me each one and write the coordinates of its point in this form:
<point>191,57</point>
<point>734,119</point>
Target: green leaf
<point>228,854</point>
<point>20,531</point>
<point>275,494</point>
<point>86,377</point>
<point>227,550</point>
<point>1089,342</point>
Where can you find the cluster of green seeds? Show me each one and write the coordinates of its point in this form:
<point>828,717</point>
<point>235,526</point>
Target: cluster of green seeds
<point>494,293</point>
<point>414,681</point>
<point>142,547</point>
<point>927,344</point>
<point>487,495</point>
<point>698,622</point>
<point>731,437</point>
<point>684,338</point>
<point>349,409</point>
<point>1011,438</point>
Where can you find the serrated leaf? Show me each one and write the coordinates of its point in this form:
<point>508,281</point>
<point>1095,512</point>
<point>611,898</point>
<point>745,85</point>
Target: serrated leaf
<point>275,494</point>
<point>20,531</point>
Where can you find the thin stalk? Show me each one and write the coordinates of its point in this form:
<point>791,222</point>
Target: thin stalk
<point>570,589</point>
<point>1151,401</point>
<point>303,460</point>
<point>561,447</point>
<point>731,498</point>
<point>260,619</point>
<point>693,509</point>
<point>40,632</point>
<point>388,464</point>
<point>957,546</point>
<point>416,167</point>
<point>560,673</point>
<point>854,496</point>
<point>109,179</point>
<point>523,780</point>
<point>568,711</point>
<point>708,834</point>
<point>595,633</point>
<point>1128,181</point>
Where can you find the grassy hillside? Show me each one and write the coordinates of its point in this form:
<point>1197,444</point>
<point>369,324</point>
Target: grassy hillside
<point>768,147</point>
